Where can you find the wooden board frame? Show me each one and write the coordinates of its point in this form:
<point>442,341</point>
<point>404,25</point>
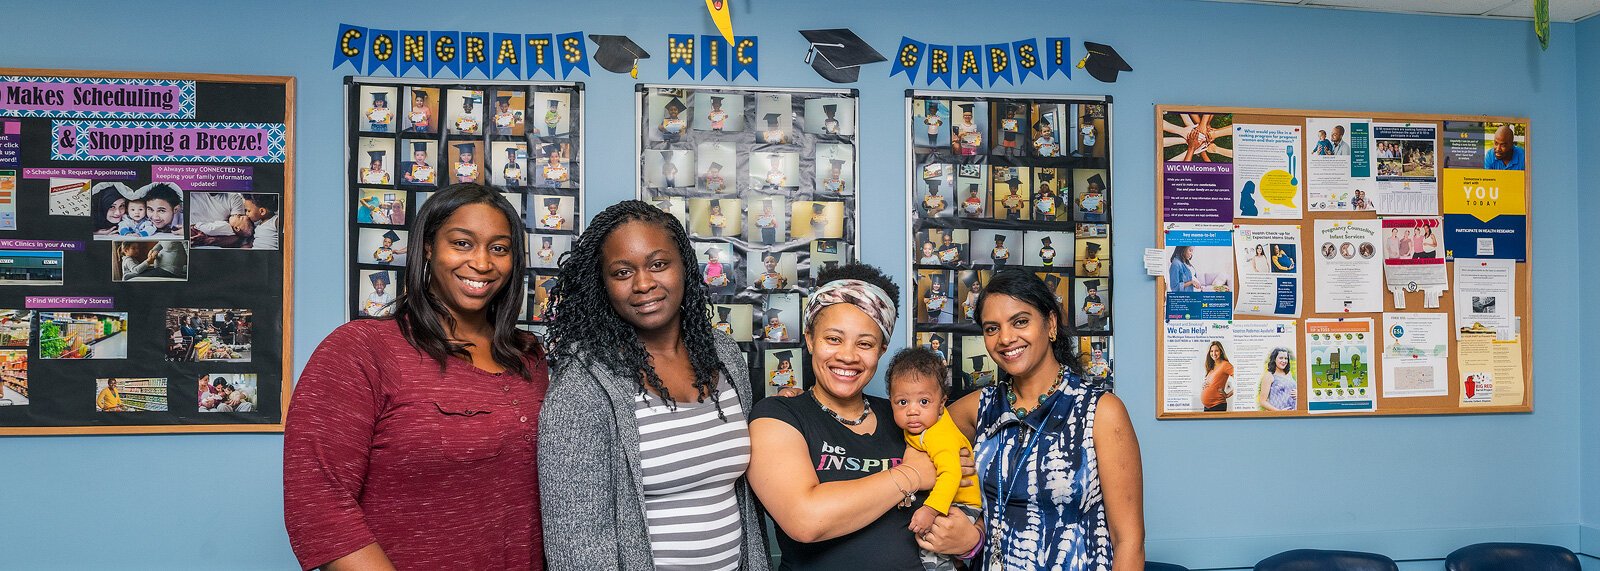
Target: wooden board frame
<point>1434,405</point>
<point>286,211</point>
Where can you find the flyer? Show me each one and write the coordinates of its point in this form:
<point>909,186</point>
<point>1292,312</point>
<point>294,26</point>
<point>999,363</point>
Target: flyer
<point>1416,354</point>
<point>8,200</point>
<point>1199,270</point>
<point>1408,168</point>
<point>1338,164</point>
<point>1488,145</point>
<point>1486,298</point>
<point>1268,259</point>
<point>1339,375</point>
<point>1485,214</point>
<point>1265,365</point>
<point>1197,192</point>
<point>1196,373</point>
<point>1266,177</point>
<point>1490,371</point>
<point>1412,261</point>
<point>1346,263</point>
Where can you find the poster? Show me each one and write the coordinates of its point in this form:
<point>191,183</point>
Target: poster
<point>1485,145</point>
<point>410,138</point>
<point>1412,260</point>
<point>1268,259</point>
<point>1197,375</point>
<point>1408,168</point>
<point>1197,166</point>
<point>1416,354</point>
<point>1338,164</point>
<point>1339,372</point>
<point>1266,368</point>
<point>1485,214</point>
<point>1486,298</point>
<point>1199,279</point>
<point>1490,371</point>
<point>1266,177</point>
<point>1346,266</point>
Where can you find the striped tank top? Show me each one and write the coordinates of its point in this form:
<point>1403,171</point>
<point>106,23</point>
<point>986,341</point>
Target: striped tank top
<point>690,461</point>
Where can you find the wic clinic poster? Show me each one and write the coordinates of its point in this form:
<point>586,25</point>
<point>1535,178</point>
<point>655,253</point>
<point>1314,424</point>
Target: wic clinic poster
<point>1266,177</point>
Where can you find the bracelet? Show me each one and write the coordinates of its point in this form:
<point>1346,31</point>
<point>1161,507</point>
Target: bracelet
<point>975,548</point>
<point>914,471</point>
<point>909,497</point>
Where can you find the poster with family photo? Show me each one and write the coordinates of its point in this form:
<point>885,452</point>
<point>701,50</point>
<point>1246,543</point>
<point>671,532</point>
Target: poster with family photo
<point>1000,183</point>
<point>149,261</point>
<point>520,137</point>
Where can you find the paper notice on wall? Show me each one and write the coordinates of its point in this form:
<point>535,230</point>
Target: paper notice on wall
<point>1199,270</point>
<point>1485,214</point>
<point>1416,354</point>
<point>1268,259</point>
<point>1485,297</point>
<point>69,197</point>
<point>1265,365</point>
<point>1338,165</point>
<point>1408,168</point>
<point>1339,365</point>
<point>1193,364</point>
<point>1347,264</point>
<point>1155,261</point>
<point>1413,260</point>
<point>1490,370</point>
<point>1266,177</point>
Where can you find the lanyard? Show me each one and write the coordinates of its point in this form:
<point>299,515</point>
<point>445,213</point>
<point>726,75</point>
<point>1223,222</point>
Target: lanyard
<point>1003,487</point>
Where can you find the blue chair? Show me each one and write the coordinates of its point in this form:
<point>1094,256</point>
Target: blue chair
<point>1325,560</point>
<point>1153,566</point>
<point>1511,557</point>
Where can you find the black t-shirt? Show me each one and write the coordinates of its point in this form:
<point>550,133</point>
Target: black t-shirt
<point>839,454</point>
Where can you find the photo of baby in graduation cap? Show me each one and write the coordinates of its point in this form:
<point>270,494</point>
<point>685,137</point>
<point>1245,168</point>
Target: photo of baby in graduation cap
<point>1048,204</point>
<point>465,163</point>
<point>669,170</point>
<point>781,369</point>
<point>550,212</point>
<point>817,219</point>
<point>422,110</point>
<point>539,295</point>
<point>1090,130</point>
<point>718,112</point>
<point>933,192</point>
<point>766,220</point>
<point>669,115</point>
<point>781,321</point>
<point>551,167</point>
<point>1060,285</point>
<point>977,371</point>
<point>1047,249</point>
<point>716,217</point>
<point>928,120</point>
<point>995,248</point>
<point>545,250</point>
<point>1091,196</point>
<point>826,255</point>
<point>835,169</point>
<point>507,117</point>
<point>830,116</point>
<point>1094,251</point>
<point>1049,121</point>
<point>553,110</point>
<point>719,264</point>
<point>378,114</point>
<point>464,112</point>
<point>1092,304</point>
<point>378,156</point>
<point>381,246</point>
<point>418,168</point>
<point>715,164</point>
<point>677,206</point>
<point>774,171</point>
<point>939,343</point>
<point>1011,126</point>
<point>377,293</point>
<point>935,305</point>
<point>967,132</point>
<point>969,283</point>
<point>734,320</point>
<point>776,270</point>
<point>774,118</point>
<point>1094,353</point>
<point>1012,201</point>
<point>508,164</point>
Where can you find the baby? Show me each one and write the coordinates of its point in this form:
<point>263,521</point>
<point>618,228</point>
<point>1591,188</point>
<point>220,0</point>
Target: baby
<point>917,392</point>
<point>134,222</point>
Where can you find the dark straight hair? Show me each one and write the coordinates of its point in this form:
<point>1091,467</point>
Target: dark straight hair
<point>426,322</point>
<point>1026,287</point>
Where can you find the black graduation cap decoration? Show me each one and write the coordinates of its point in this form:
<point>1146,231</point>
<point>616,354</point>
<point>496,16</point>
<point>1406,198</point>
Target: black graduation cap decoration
<point>999,238</point>
<point>772,120</point>
<point>1091,249</point>
<point>716,166</point>
<point>1098,345</point>
<point>377,277</point>
<point>972,187</point>
<point>1091,284</point>
<point>937,280</point>
<point>1103,62</point>
<point>419,94</point>
<point>554,103</point>
<point>843,53</point>
<point>419,147</point>
<point>379,96</point>
<point>377,156</point>
<point>547,240</point>
<point>977,362</point>
<point>716,100</point>
<point>1045,240</point>
<point>511,153</point>
<point>1041,125</point>
<point>618,54</point>
<point>676,105</point>
<point>549,285</point>
<point>1013,181</point>
<point>1046,176</point>
<point>837,163</point>
<point>392,236</point>
<point>723,312</point>
<point>1053,281</point>
<point>466,149</point>
<point>713,252</point>
<point>553,201</point>
<point>502,99</point>
<point>817,207</point>
<point>965,107</point>
<point>830,109</point>
<point>1097,180</point>
<point>773,313</point>
<point>784,356</point>
<point>830,264</point>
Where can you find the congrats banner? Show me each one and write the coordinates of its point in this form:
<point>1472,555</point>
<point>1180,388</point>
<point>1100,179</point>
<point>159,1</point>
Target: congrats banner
<point>432,53</point>
<point>151,141</point>
<point>983,64</point>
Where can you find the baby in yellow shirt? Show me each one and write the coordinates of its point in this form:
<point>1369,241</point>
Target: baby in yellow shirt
<point>917,391</point>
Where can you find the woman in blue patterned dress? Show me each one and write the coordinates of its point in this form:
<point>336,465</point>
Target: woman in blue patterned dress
<point>1058,461</point>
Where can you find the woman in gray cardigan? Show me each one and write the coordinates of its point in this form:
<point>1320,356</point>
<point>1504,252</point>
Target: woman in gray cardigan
<point>643,443</point>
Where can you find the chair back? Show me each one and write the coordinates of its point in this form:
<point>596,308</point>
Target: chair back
<point>1512,557</point>
<point>1153,566</point>
<point>1326,560</point>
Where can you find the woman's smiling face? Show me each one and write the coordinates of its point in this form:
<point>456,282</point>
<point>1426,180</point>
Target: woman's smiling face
<point>845,345</point>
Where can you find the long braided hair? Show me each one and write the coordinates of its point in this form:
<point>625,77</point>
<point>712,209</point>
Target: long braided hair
<point>584,327</point>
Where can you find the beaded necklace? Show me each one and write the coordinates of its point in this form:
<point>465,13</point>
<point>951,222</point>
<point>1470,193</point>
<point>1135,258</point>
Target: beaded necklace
<point>866,411</point>
<point>1012,398</point>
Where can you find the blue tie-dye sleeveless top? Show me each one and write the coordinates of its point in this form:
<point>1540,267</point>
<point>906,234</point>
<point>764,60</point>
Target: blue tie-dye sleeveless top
<point>1051,514</point>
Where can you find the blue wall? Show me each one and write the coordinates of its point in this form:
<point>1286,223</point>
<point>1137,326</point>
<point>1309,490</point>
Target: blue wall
<point>1219,493</point>
<point>1588,34</point>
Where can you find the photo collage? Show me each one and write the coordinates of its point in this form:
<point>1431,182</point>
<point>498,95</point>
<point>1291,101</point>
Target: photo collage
<point>764,182</point>
<point>411,139</point>
<point>998,183</point>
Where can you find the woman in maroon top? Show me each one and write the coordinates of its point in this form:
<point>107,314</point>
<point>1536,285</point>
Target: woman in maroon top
<point>410,442</point>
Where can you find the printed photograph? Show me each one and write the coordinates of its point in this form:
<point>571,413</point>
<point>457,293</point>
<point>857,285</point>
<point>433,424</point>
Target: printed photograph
<point>668,113</point>
<point>1091,303</point>
<point>971,191</point>
<point>508,164</point>
<point>719,112</point>
<point>768,222</point>
<point>715,167</point>
<point>539,288</point>
<point>553,111</point>
<point>118,394</point>
<point>381,206</point>
<point>835,169</point>
<point>1093,258</point>
<point>83,335</point>
<point>781,369</point>
<point>1049,204</point>
<point>381,246</point>
<point>1090,123</point>
<point>669,169</point>
<point>715,217</point>
<point>1047,249</point>
<point>817,219</point>
<point>830,116</point>
<point>418,167</point>
<point>734,319</point>
<point>16,327</point>
<point>943,246</point>
<point>465,163</point>
<point>421,114</point>
<point>149,261</point>
<point>935,304</point>
<point>994,248</point>
<point>464,112</point>
<point>933,191</point>
<point>545,250</point>
<point>969,283</point>
<point>928,120</point>
<point>776,270</point>
<point>377,108</point>
<point>969,128</point>
<point>939,343</point>
<point>1091,198</point>
<point>977,369</point>
<point>552,166</point>
<point>13,377</point>
<point>1012,200</point>
<point>378,156</point>
<point>215,335</point>
<point>1094,353</point>
<point>781,318</point>
<point>1011,128</point>
<point>549,212</point>
<point>774,118</point>
<point>674,205</point>
<point>826,255</point>
<point>1051,131</point>
<point>31,267</point>
<point>228,392</point>
<point>720,265</point>
<point>772,172</point>
<point>508,117</point>
<point>234,220</point>
<point>122,212</point>
<point>1197,137</point>
<point>378,291</point>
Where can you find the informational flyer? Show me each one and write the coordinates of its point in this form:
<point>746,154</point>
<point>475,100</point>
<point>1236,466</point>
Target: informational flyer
<point>1338,164</point>
<point>1490,371</point>
<point>1199,270</point>
<point>1197,192</point>
<point>1487,145</point>
<point>1195,364</point>
<point>1486,298</point>
<point>1412,260</point>
<point>1408,168</point>
<point>1346,263</point>
<point>1265,365</point>
<point>1268,259</point>
<point>1266,177</point>
<point>1340,365</point>
<point>1485,214</point>
<point>8,200</point>
<point>1416,354</point>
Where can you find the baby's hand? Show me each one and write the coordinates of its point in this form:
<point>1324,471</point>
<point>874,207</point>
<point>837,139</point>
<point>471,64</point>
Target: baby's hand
<point>922,521</point>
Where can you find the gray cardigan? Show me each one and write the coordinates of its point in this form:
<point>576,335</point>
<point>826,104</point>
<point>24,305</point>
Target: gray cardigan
<point>590,488</point>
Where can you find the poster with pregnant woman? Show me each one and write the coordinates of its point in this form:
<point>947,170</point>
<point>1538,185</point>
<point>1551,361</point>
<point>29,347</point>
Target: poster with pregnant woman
<point>1266,376</point>
<point>1197,373</point>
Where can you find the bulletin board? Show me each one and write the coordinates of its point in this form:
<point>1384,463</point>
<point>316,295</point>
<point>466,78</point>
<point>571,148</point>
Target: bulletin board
<point>1019,181</point>
<point>764,181</point>
<point>1313,212</point>
<point>408,138</point>
<point>146,252</point>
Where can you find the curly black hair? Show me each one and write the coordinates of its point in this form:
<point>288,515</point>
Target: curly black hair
<point>584,327</point>
<point>863,272</point>
<point>917,361</point>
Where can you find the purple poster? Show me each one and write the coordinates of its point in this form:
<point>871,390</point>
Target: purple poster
<point>96,98</point>
<point>204,177</point>
<point>93,173</point>
<point>10,144</point>
<point>1198,192</point>
<point>68,302</point>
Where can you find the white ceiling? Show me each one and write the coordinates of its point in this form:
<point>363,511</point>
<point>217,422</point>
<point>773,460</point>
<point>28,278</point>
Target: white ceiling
<point>1560,10</point>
